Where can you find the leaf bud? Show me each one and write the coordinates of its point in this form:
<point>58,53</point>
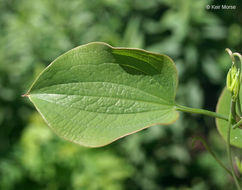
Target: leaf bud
<point>233,81</point>
<point>236,86</point>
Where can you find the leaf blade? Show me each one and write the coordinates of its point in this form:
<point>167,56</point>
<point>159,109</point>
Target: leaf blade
<point>93,95</point>
<point>223,107</point>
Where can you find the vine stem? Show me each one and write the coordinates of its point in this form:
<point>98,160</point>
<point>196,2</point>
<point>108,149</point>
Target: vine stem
<point>212,153</point>
<point>201,111</point>
<point>229,147</point>
<point>239,107</point>
<point>237,124</point>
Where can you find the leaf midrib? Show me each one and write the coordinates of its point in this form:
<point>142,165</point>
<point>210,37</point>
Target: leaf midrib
<point>163,101</point>
<point>169,108</point>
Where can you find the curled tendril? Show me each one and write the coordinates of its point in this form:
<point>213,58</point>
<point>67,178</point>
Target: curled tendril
<point>231,54</point>
<point>240,58</point>
<point>238,55</point>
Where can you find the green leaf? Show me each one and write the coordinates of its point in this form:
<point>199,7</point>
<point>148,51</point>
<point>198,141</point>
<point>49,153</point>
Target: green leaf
<point>95,94</point>
<point>223,107</point>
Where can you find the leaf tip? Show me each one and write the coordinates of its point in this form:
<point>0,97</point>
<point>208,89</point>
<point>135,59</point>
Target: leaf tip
<point>25,95</point>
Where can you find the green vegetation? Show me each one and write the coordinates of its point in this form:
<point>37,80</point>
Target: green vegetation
<point>34,33</point>
<point>95,94</point>
<point>224,107</point>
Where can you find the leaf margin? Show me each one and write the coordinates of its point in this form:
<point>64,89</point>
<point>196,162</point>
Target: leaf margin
<point>28,94</point>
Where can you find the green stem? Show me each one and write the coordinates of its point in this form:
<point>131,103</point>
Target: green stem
<point>239,107</point>
<point>201,111</point>
<point>229,147</point>
<point>237,124</point>
<point>233,111</point>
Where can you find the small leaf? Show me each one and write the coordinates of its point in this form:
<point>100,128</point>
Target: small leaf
<point>95,94</point>
<point>223,107</point>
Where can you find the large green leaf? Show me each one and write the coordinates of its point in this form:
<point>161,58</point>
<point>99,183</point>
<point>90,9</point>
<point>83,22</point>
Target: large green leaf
<point>95,94</point>
<point>223,107</point>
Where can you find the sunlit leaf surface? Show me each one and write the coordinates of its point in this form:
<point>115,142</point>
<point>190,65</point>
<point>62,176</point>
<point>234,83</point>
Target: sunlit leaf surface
<point>95,94</point>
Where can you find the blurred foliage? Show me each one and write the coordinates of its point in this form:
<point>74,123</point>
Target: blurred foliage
<point>34,33</point>
<point>44,161</point>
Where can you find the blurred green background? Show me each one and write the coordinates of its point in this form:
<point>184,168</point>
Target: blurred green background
<point>33,33</point>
